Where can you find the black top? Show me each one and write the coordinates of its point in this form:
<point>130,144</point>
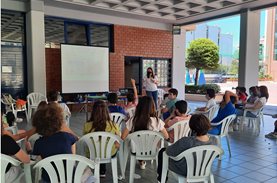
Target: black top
<point>9,147</point>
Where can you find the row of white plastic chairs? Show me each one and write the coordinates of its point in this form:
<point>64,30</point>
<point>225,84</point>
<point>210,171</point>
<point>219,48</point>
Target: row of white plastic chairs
<point>141,145</point>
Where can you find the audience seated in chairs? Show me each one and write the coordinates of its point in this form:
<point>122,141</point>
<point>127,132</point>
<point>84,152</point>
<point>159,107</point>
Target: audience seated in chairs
<point>145,118</point>
<point>11,148</point>
<point>113,106</point>
<point>199,124</point>
<point>170,105</point>
<point>210,96</point>
<point>48,123</point>
<point>100,121</point>
<point>179,114</point>
<point>258,104</point>
<point>226,108</point>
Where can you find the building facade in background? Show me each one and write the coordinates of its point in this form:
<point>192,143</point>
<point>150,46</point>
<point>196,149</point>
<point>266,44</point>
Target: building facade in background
<point>270,43</point>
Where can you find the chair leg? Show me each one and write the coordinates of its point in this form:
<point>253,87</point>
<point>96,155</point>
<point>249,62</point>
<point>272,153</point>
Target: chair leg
<point>218,139</point>
<point>228,143</point>
<point>165,167</point>
<point>132,168</point>
<point>181,179</point>
<point>212,178</point>
<point>114,170</point>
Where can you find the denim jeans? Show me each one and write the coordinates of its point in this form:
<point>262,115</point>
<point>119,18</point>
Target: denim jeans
<point>154,95</point>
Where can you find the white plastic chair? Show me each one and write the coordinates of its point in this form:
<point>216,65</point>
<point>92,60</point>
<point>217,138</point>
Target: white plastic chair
<point>6,160</point>
<point>181,129</point>
<point>131,111</point>
<point>255,121</point>
<point>10,105</point>
<point>67,167</point>
<point>199,162</point>
<point>100,146</point>
<point>224,130</point>
<point>119,119</point>
<point>144,145</point>
<point>32,139</point>
<point>33,99</point>
<point>210,113</point>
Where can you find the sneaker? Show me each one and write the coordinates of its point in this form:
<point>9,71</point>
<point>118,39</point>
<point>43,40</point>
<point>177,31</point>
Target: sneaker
<point>102,175</point>
<point>271,135</point>
<point>142,165</point>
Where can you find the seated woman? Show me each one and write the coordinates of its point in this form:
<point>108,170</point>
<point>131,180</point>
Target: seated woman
<point>100,121</point>
<point>145,118</point>
<point>179,114</point>
<point>11,148</point>
<point>199,124</point>
<point>242,95</point>
<point>258,104</point>
<point>210,96</point>
<point>48,123</point>
<point>226,108</point>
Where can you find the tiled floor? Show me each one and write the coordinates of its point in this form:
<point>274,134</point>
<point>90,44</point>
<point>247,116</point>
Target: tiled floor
<point>254,158</point>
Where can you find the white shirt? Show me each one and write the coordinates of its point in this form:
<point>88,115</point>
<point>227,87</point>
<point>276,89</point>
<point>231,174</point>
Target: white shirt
<point>154,125</point>
<point>263,102</point>
<point>150,85</point>
<point>210,103</point>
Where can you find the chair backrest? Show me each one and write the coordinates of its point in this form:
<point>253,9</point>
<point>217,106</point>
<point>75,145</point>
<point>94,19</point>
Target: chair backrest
<point>211,112</point>
<point>131,111</point>
<point>5,161</point>
<point>199,160</point>
<point>181,129</point>
<point>117,118</point>
<point>100,144</point>
<point>33,99</point>
<point>12,129</point>
<point>226,123</point>
<point>145,143</point>
<point>64,167</point>
<point>33,139</point>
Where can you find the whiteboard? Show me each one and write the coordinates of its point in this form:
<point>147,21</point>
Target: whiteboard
<point>85,69</point>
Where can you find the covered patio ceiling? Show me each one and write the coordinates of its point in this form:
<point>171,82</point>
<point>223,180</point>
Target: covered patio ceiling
<point>165,11</point>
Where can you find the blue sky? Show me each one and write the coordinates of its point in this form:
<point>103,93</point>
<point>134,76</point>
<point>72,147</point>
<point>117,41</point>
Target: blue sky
<point>231,25</point>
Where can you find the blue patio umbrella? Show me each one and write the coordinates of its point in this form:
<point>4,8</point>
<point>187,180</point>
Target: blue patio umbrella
<point>201,80</point>
<point>187,77</point>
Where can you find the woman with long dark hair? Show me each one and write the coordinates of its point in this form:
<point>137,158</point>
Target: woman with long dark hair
<point>100,121</point>
<point>145,118</point>
<point>150,83</point>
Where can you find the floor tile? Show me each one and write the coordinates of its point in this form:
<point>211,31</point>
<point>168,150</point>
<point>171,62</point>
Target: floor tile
<point>258,176</point>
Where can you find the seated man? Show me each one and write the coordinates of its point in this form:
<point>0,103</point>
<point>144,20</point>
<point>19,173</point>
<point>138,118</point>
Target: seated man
<point>227,107</point>
<point>170,105</point>
<point>210,96</point>
<point>113,107</point>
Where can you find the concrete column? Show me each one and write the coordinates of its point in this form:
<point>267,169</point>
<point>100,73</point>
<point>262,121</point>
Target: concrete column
<point>249,48</point>
<point>178,66</point>
<point>35,39</point>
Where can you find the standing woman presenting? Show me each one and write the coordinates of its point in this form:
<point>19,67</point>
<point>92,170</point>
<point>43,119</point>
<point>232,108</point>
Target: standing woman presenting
<point>150,83</point>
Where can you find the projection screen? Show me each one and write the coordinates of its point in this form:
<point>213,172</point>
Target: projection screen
<point>85,69</point>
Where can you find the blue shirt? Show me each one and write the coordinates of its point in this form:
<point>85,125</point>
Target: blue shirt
<point>228,109</point>
<point>117,108</point>
<point>58,143</point>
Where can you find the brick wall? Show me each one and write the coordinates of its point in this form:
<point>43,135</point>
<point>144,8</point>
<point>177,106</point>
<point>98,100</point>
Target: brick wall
<point>128,41</point>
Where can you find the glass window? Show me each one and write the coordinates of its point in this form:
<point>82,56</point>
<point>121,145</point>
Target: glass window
<point>76,34</point>
<point>99,35</point>
<point>12,54</point>
<point>162,68</point>
<point>54,32</point>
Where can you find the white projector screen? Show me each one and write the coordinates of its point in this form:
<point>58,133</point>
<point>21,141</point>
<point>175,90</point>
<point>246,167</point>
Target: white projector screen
<point>85,69</point>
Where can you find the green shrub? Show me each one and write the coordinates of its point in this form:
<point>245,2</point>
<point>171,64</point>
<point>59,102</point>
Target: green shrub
<point>201,89</point>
